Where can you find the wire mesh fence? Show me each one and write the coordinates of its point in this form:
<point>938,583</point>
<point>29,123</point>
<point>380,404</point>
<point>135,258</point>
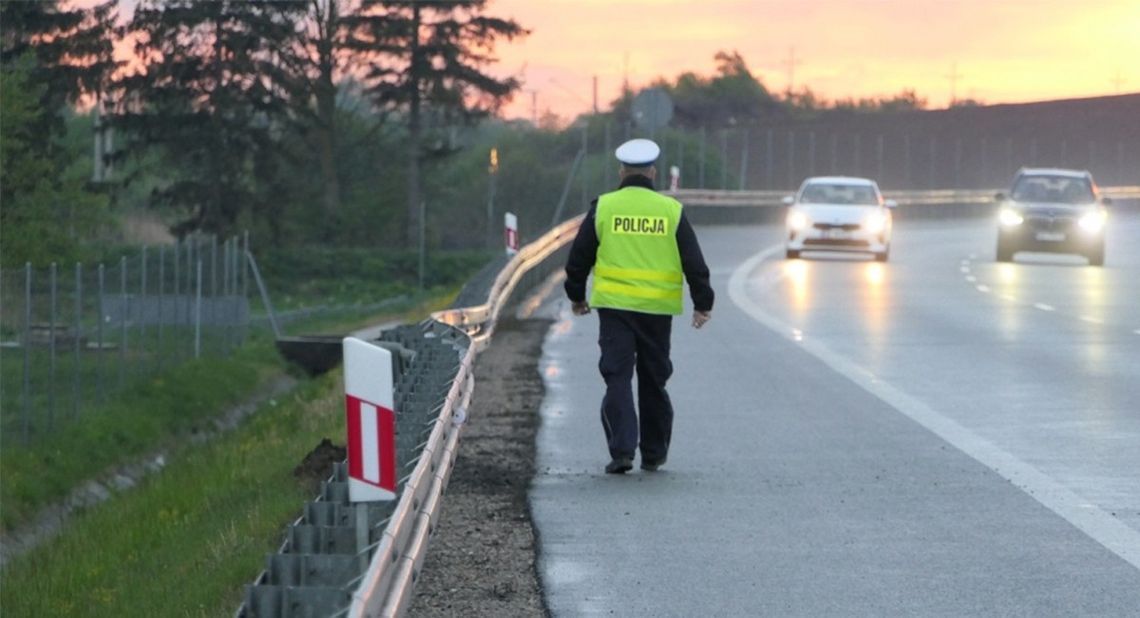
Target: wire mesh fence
<point>72,336</point>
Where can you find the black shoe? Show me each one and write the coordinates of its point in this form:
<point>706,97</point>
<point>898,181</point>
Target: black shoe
<point>652,465</point>
<point>619,465</point>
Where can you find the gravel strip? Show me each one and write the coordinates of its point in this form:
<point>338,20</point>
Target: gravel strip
<point>481,559</point>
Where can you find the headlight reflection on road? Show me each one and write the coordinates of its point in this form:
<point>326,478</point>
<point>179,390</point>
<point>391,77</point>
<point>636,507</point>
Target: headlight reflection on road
<point>875,301</point>
<point>875,274</point>
<point>1007,273</point>
<point>796,271</point>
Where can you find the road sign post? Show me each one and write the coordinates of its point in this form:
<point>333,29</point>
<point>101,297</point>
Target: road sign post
<point>371,421</point>
<point>511,232</point>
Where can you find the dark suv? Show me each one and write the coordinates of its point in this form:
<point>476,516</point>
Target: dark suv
<point>1053,210</point>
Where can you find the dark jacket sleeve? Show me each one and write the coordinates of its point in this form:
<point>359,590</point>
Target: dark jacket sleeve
<point>693,265</point>
<point>583,254</point>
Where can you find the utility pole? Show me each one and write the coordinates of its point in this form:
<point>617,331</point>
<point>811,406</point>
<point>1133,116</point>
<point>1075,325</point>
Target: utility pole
<point>1118,81</point>
<point>492,173</point>
<point>791,63</point>
<point>596,95</point>
<point>953,77</point>
<point>533,106</point>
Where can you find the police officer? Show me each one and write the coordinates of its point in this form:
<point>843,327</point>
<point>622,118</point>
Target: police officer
<point>639,245</point>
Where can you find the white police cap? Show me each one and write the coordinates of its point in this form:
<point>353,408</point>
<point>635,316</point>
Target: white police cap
<point>638,152</point>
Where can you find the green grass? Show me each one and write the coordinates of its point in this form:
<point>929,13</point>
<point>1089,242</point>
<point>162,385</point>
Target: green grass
<point>187,541</point>
<point>81,384</point>
<point>152,413</point>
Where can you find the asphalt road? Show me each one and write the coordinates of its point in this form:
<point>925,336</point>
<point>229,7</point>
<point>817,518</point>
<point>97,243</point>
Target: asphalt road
<point>938,435</point>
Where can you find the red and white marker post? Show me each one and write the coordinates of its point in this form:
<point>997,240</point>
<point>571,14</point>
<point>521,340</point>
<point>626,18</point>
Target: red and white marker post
<point>371,419</point>
<point>511,232</point>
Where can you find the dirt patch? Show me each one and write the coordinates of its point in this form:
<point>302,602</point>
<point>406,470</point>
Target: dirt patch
<point>314,468</point>
<point>481,559</point>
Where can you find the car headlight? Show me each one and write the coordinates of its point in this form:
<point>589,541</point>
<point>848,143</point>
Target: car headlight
<point>876,223</point>
<point>1010,217</point>
<point>797,221</point>
<point>1093,222</point>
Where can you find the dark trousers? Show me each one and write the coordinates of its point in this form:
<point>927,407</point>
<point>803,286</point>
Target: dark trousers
<point>630,340</point>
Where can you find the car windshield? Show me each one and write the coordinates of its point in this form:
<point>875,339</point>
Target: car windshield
<point>1053,189</point>
<point>821,193</point>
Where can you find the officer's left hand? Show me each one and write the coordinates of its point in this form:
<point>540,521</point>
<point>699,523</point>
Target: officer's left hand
<point>581,308</point>
<point>700,318</point>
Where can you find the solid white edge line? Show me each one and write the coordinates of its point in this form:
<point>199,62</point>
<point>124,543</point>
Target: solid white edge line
<point>1090,519</point>
<point>1044,307</point>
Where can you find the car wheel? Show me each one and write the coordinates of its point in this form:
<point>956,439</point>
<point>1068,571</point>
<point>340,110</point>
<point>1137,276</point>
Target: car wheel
<point>1096,256</point>
<point>1004,252</point>
<point>792,254</point>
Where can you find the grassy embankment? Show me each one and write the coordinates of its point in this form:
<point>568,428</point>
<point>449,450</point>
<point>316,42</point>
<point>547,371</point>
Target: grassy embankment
<point>188,540</point>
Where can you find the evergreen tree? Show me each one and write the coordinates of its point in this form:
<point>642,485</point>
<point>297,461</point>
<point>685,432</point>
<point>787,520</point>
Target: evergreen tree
<point>42,210</point>
<point>50,56</point>
<point>211,95</point>
<point>427,60</point>
<point>72,48</point>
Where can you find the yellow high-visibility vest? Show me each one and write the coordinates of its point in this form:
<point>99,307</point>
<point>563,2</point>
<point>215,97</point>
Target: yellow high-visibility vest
<point>638,267</point>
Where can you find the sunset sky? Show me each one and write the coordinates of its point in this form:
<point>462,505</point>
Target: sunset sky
<point>1003,51</point>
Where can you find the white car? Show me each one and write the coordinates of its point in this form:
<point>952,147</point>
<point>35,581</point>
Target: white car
<point>839,213</point>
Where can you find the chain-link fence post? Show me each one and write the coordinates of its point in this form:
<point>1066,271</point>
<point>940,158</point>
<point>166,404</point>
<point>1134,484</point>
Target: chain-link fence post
<point>743,159</point>
<point>161,306</point>
<point>101,388</point>
<point>770,161</point>
<point>930,163</point>
<point>879,158</point>
<point>198,312</point>
<point>76,379</point>
<point>791,159</point>
<point>701,160</point>
<point>52,316</point>
<point>143,304</point>
<point>724,159</point>
<point>25,422</point>
<point>123,313</point>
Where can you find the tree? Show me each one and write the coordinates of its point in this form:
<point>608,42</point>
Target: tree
<point>426,61</point>
<point>72,49</point>
<point>733,96</point>
<point>210,95</point>
<point>50,56</point>
<point>42,208</point>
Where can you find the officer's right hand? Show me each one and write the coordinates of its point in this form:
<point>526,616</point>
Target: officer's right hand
<point>700,318</point>
<point>581,308</point>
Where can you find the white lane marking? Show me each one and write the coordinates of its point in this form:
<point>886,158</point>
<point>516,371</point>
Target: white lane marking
<point>1091,320</point>
<point>1137,331</point>
<point>984,289</point>
<point>1010,297</point>
<point>1093,521</point>
<point>971,278</point>
<point>1044,307</point>
<point>964,269</point>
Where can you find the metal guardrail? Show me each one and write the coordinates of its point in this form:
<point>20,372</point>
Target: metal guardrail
<point>396,555</point>
<point>385,589</point>
<point>706,197</point>
<point>344,559</point>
